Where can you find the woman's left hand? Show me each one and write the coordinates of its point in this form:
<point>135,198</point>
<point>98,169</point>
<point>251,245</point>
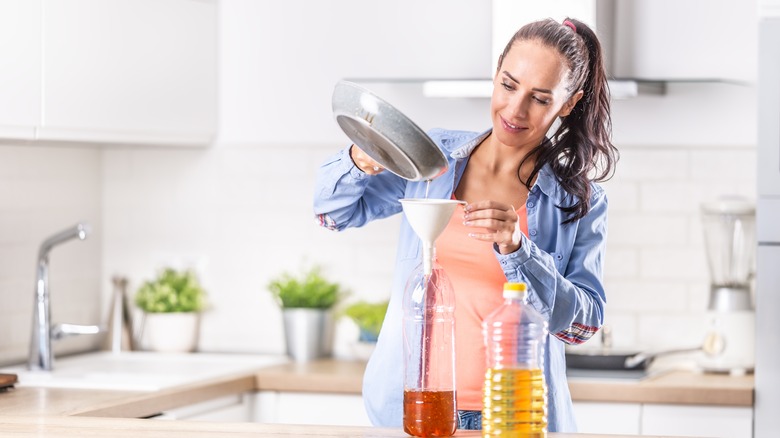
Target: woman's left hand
<point>499,221</point>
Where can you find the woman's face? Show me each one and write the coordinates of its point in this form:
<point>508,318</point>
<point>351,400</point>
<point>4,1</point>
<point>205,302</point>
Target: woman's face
<point>529,93</point>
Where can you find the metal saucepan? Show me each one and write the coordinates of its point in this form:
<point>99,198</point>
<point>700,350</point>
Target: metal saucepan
<point>385,134</point>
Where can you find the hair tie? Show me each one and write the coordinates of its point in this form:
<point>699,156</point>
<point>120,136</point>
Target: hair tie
<point>570,24</point>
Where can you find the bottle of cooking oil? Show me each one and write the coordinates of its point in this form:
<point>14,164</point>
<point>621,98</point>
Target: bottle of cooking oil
<point>515,392</point>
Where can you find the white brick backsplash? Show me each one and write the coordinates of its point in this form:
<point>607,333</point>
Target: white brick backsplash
<point>621,262</point>
<point>624,329</point>
<point>674,196</point>
<point>646,296</point>
<point>17,296</point>
<point>16,261</point>
<point>247,218</point>
<point>44,190</point>
<point>646,229</point>
<point>622,196</point>
<point>673,262</point>
<point>698,296</point>
<point>724,165</point>
<point>14,227</point>
<point>653,164</point>
<point>669,330</point>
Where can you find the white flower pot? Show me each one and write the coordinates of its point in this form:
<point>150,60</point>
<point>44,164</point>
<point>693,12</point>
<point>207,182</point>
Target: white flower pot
<point>171,332</point>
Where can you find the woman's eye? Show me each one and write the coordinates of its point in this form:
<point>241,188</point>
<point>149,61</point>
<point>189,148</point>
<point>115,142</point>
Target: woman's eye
<point>507,86</point>
<point>542,100</point>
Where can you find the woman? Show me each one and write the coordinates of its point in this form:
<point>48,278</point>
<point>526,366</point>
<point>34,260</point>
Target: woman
<point>533,214</point>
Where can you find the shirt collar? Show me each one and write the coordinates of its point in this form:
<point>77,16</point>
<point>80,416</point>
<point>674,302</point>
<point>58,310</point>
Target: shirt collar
<point>545,180</point>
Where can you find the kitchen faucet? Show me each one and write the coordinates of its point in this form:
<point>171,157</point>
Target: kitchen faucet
<point>41,356</point>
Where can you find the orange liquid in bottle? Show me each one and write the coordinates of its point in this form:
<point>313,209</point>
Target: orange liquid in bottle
<point>430,413</point>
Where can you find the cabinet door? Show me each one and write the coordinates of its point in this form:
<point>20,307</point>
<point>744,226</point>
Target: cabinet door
<point>129,71</point>
<point>20,68</point>
<point>697,421</point>
<point>607,418</point>
<point>310,408</point>
<point>232,408</point>
<point>686,39</point>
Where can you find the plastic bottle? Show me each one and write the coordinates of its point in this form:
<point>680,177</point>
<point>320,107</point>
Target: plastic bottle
<point>515,391</point>
<point>429,354</point>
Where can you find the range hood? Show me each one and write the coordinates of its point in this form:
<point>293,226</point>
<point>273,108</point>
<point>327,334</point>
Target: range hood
<point>483,88</point>
<point>510,15</point>
<point>647,43</point>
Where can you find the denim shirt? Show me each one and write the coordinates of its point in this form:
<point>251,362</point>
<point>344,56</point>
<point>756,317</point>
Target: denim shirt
<point>562,264</point>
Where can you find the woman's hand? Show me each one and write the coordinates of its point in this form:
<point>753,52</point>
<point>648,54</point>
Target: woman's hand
<point>363,161</point>
<point>499,222</point>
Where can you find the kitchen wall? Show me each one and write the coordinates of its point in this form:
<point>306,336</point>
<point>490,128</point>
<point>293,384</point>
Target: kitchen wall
<point>44,190</point>
<point>240,210</point>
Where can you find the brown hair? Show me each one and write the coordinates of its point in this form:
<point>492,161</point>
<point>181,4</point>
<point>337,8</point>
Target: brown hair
<point>581,149</point>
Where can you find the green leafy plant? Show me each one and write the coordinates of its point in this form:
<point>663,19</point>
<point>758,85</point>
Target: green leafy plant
<point>309,290</point>
<point>368,317</point>
<point>172,291</point>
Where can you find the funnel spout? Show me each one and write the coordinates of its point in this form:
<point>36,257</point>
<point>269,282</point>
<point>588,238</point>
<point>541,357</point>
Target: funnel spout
<point>428,218</point>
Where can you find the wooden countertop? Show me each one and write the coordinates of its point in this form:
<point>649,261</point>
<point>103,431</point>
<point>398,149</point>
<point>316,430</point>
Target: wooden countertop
<point>57,412</point>
<point>676,387</point>
<point>81,427</point>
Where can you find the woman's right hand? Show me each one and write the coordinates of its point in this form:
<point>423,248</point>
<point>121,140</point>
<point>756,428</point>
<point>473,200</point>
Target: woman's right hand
<point>364,162</point>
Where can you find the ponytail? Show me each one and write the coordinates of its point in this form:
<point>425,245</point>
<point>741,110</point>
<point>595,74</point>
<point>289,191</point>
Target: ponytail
<point>581,149</point>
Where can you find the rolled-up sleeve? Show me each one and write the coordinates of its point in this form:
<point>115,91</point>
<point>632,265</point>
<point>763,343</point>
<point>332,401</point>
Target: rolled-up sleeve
<point>571,296</point>
<point>345,196</point>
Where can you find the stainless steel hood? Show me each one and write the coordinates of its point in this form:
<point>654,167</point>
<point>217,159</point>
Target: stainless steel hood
<point>646,43</point>
<point>510,15</point>
<point>483,88</point>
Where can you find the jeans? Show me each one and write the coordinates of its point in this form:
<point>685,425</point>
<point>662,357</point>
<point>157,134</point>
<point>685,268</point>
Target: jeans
<point>470,420</point>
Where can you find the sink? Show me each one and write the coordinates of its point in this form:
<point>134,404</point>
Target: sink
<point>139,371</point>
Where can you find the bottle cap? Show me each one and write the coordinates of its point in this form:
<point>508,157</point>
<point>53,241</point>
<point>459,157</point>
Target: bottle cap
<point>514,290</point>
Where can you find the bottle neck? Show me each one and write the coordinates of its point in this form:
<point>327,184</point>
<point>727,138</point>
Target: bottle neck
<point>516,297</point>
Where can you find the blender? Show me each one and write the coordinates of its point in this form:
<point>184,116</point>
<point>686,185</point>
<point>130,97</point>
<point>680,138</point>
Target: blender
<point>729,237</point>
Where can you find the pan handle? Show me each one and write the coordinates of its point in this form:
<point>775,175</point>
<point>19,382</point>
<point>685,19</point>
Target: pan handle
<point>637,359</point>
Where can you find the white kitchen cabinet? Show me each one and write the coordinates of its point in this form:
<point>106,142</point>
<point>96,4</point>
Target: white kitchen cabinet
<point>664,419</point>
<point>310,408</point>
<point>685,40</point>
<point>129,71</point>
<point>20,68</point>
<point>653,40</point>
<point>608,418</point>
<point>697,421</point>
<point>232,408</point>
<point>109,71</point>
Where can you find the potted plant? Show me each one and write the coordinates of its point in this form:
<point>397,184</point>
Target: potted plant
<point>307,301</point>
<point>171,303</point>
<point>368,317</point>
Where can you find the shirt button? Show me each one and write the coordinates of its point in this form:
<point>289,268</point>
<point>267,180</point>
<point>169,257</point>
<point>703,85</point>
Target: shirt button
<point>532,232</point>
<point>530,204</point>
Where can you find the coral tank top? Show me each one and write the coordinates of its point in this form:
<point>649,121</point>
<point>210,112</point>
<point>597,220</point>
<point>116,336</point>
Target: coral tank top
<point>477,281</point>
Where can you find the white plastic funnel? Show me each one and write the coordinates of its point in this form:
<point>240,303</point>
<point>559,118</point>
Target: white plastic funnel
<point>428,218</point>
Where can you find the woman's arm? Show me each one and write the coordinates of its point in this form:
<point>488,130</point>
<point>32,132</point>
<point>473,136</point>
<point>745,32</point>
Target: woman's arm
<point>345,196</point>
<point>572,302</point>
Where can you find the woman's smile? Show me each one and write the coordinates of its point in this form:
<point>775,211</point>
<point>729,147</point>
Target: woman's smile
<point>511,127</point>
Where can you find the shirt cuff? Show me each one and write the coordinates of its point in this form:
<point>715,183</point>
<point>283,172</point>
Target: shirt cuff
<point>346,165</point>
<point>521,255</point>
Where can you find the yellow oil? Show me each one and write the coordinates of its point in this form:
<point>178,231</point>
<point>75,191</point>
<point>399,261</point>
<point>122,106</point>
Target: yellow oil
<point>515,403</point>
